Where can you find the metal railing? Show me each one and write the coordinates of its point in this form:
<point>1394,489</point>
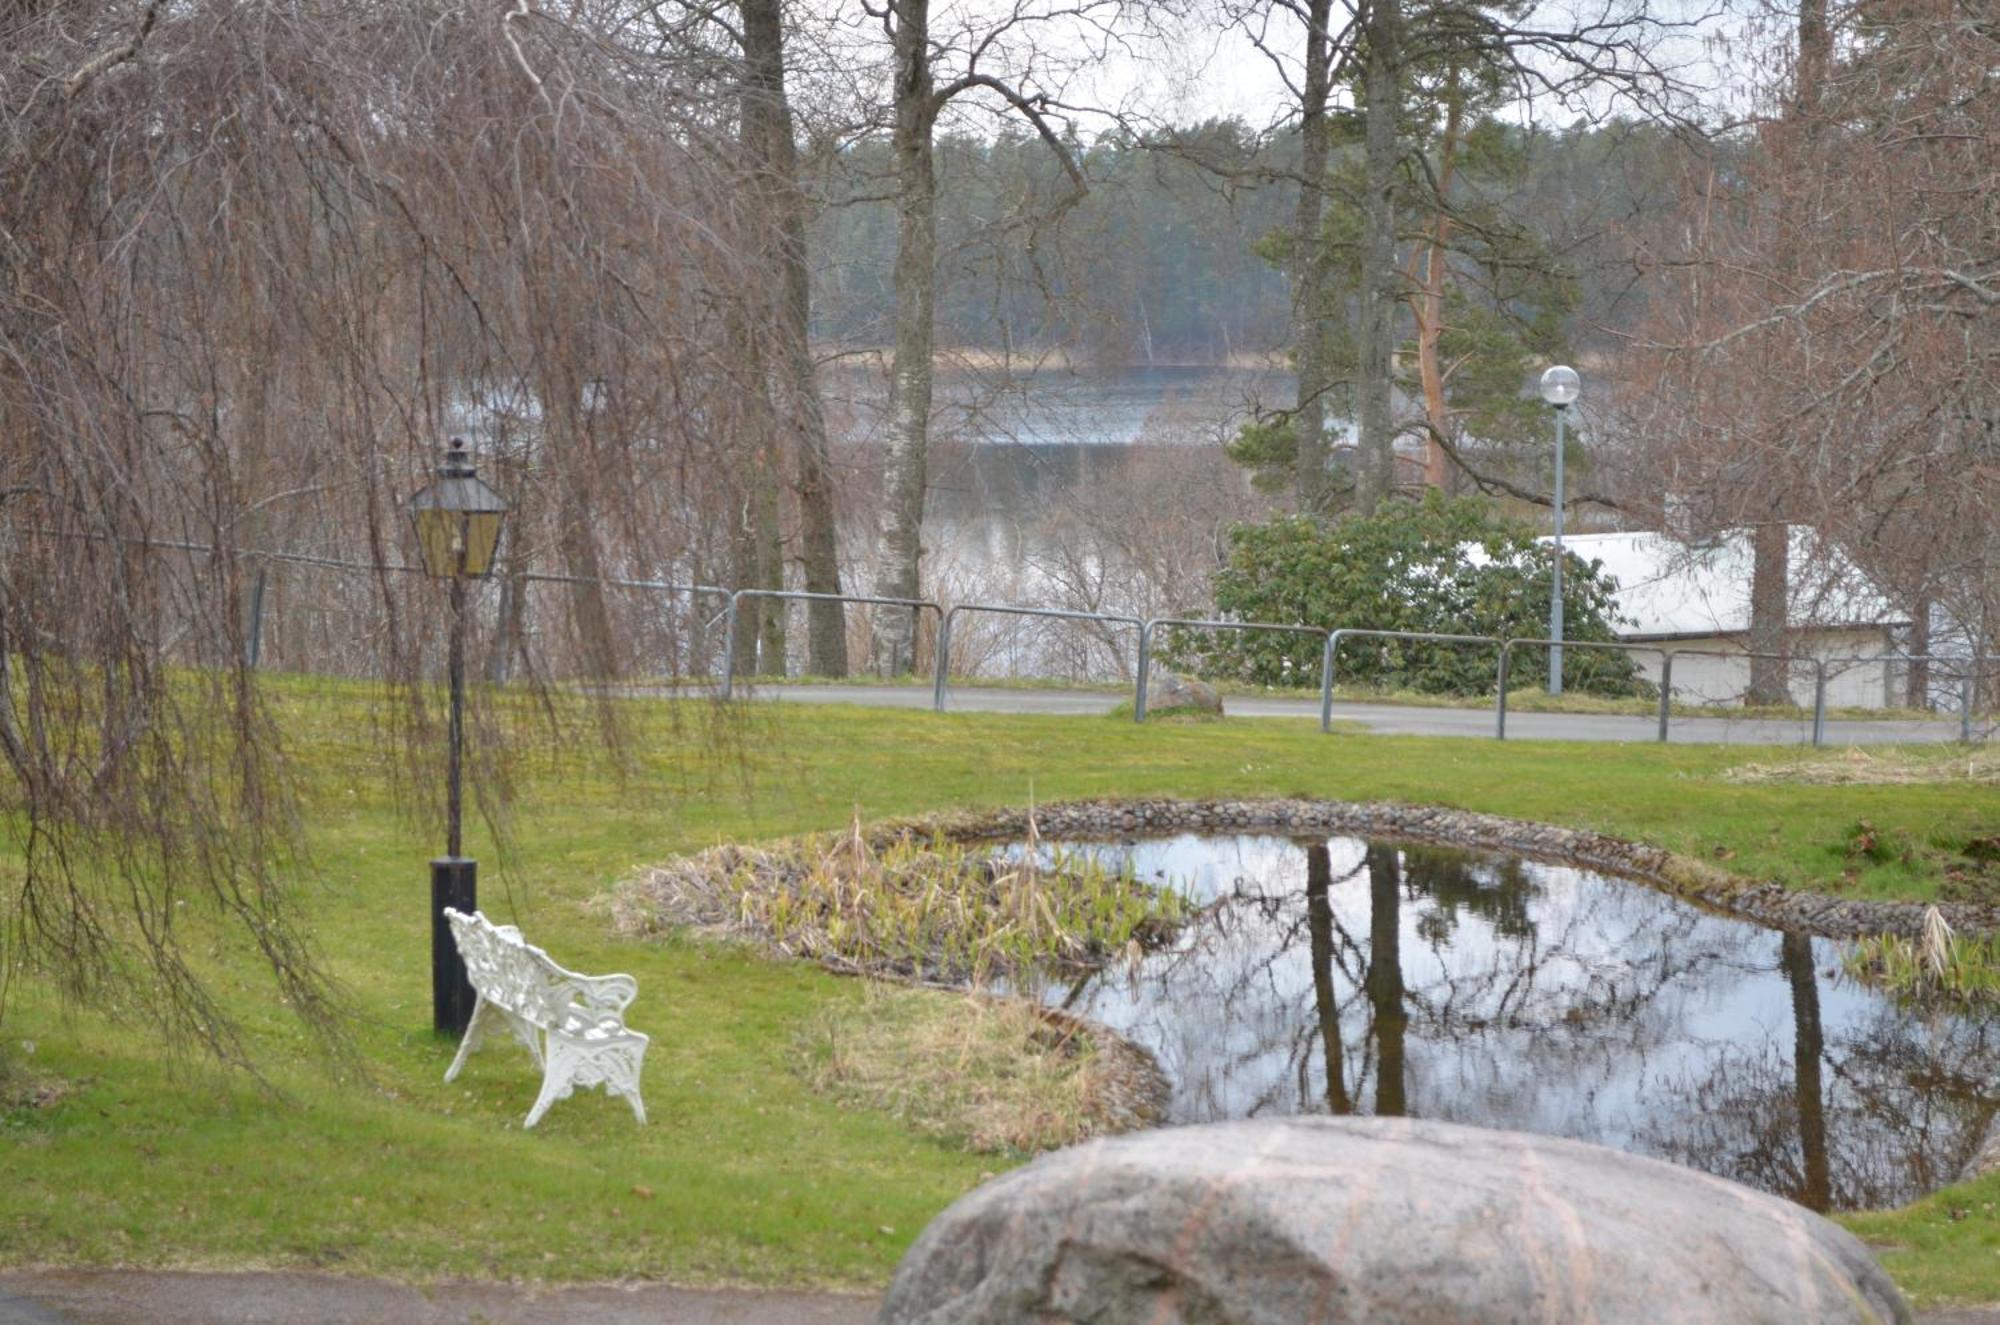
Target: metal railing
<point>942,684</point>
<point>1507,653</point>
<point>1967,668</point>
<point>1186,623</point>
<point>1787,659</point>
<point>1330,659</point>
<point>1968,683</point>
<point>729,614</point>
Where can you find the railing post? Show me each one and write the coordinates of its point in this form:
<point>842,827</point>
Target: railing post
<point>1326,666</point>
<point>1145,662</point>
<point>729,647</point>
<point>943,660</point>
<point>1819,703</point>
<point>1666,691</point>
<point>1500,700</point>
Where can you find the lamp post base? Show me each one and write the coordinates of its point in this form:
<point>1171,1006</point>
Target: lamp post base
<point>454,884</point>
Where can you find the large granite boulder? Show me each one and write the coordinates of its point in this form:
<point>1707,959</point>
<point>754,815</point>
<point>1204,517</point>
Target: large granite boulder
<point>1388,1221</point>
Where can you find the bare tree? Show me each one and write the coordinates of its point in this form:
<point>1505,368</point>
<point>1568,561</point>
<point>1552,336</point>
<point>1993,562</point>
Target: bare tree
<point>1823,336</point>
<point>256,264</point>
<point>917,100</point>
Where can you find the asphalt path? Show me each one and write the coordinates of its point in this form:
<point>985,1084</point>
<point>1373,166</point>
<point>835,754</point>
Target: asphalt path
<point>1400,719</point>
<point>165,1297</point>
<point>170,1297</point>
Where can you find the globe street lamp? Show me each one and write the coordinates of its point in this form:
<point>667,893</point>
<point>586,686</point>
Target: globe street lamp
<point>458,522</point>
<point>1560,386</point>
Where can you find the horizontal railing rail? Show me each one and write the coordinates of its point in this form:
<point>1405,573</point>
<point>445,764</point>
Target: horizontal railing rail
<point>1788,659</point>
<point>941,685</point>
<point>1666,674</point>
<point>729,614</point>
<point>1968,668</point>
<point>1330,660</point>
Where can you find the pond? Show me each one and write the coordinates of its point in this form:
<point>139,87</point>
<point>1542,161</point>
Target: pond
<point>1343,976</point>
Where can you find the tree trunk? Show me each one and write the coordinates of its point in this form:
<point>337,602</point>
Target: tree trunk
<point>1770,576</point>
<point>771,660</point>
<point>768,133</point>
<point>1385,979</point>
<point>1375,460</point>
<point>1319,923</point>
<point>1770,605</point>
<point>743,575</point>
<point>1917,685</point>
<point>1428,302</point>
<point>910,373</point>
<point>596,638</point>
<point>1808,1046</point>
<point>1311,476</point>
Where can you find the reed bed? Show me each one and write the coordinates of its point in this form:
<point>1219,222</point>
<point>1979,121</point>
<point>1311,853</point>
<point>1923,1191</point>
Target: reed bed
<point>1937,964</point>
<point>923,909</point>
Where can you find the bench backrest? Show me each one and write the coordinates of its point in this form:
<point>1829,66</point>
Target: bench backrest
<point>510,972</point>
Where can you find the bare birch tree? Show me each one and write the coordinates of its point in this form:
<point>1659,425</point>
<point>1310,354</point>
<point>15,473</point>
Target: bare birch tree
<point>975,54</point>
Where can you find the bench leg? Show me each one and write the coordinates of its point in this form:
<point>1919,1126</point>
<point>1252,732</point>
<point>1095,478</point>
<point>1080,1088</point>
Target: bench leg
<point>483,1015</point>
<point>558,1079</point>
<point>616,1067</point>
<point>627,1082</point>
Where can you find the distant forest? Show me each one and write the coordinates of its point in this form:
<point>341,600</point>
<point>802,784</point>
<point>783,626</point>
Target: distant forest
<point>1174,255</point>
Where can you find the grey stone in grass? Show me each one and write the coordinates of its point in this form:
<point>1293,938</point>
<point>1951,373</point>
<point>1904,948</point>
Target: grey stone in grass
<point>1321,1221</point>
<point>1171,690</point>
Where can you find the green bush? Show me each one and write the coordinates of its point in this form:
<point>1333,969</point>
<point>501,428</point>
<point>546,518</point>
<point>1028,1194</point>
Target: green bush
<point>1443,565</point>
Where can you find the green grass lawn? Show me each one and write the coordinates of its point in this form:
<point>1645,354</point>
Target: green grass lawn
<point>114,1153</point>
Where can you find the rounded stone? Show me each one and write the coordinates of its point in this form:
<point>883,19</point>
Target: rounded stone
<point>1172,691</point>
<point>1327,1221</point>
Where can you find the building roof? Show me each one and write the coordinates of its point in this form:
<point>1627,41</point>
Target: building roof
<point>1670,589</point>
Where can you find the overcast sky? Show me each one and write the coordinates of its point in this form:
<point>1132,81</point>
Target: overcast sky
<point>1189,69</point>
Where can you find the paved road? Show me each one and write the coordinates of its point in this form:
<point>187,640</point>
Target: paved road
<point>1401,719</point>
<point>146,1297</point>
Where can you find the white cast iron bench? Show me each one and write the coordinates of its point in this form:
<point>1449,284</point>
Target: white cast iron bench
<point>574,1025</point>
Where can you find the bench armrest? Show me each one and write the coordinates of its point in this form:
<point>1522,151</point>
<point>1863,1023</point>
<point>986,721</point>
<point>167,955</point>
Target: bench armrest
<point>605,993</point>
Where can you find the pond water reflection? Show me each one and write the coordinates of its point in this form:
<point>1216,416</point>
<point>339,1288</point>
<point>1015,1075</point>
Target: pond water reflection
<point>1353,977</point>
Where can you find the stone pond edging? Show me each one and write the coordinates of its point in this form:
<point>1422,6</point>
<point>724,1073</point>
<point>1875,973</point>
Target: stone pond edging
<point>1762,901</point>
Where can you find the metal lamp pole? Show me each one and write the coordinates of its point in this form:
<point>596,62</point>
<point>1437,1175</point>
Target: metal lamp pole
<point>458,527</point>
<point>1560,386</point>
<point>454,879</point>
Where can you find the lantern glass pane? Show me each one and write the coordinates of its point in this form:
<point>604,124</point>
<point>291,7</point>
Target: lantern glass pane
<point>482,536</point>
<point>437,534</point>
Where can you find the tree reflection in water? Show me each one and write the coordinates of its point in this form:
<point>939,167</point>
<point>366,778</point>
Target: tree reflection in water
<point>1489,990</point>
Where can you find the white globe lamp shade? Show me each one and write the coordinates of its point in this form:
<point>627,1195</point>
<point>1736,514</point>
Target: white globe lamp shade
<point>1561,385</point>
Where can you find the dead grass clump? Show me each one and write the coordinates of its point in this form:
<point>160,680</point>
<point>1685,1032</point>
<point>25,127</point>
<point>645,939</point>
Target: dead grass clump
<point>1893,767</point>
<point>991,1074</point>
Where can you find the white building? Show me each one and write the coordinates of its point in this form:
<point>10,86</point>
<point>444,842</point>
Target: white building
<point>1695,600</point>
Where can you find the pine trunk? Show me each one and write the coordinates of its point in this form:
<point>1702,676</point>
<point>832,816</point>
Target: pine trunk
<point>1375,462</point>
<point>1311,474</point>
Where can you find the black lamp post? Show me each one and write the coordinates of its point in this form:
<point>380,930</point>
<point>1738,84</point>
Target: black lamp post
<point>458,522</point>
